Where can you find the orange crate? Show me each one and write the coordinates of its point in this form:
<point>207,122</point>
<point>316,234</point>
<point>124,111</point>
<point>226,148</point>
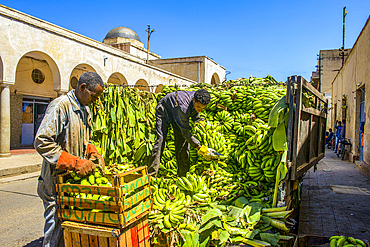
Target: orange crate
<point>79,234</point>
<point>119,213</point>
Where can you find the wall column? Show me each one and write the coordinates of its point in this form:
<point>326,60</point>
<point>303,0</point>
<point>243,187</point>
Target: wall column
<point>4,120</point>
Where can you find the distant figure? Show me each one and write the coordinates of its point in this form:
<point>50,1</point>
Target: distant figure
<point>330,136</point>
<point>337,135</point>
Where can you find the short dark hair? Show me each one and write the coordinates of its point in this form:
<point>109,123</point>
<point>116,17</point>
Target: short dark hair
<point>330,129</point>
<point>91,79</point>
<point>202,96</point>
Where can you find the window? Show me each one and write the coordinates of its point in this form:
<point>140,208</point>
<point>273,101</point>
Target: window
<point>74,82</point>
<point>37,76</point>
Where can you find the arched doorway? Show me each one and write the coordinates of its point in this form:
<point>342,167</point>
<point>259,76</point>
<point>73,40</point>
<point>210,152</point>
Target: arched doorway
<point>77,72</point>
<point>215,79</point>
<point>36,78</point>
<point>117,79</point>
<point>158,88</point>
<point>142,85</point>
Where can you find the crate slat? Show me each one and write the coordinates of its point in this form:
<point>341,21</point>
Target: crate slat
<point>139,196</point>
<point>139,209</point>
<point>102,218</point>
<point>71,226</point>
<point>76,239</point>
<point>84,240</point>
<point>91,204</point>
<point>112,242</point>
<point>93,241</point>
<point>88,189</point>
<point>103,241</point>
<point>67,238</point>
<point>135,184</point>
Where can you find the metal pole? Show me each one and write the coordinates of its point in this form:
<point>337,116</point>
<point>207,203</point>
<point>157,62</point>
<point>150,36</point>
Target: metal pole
<point>344,33</point>
<point>149,31</point>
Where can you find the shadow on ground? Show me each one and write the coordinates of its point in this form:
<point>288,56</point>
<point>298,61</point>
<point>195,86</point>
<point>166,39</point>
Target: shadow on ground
<point>35,243</point>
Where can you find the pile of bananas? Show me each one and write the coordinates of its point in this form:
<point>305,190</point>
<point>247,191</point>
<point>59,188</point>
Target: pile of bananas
<point>339,241</point>
<point>193,186</point>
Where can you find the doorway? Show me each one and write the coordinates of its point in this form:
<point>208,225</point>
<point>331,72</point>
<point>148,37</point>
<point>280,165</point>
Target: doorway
<point>33,111</point>
<point>362,125</point>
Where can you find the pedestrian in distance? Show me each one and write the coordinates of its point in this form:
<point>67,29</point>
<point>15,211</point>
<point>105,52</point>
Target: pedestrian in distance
<point>63,140</point>
<point>176,108</point>
<point>337,136</point>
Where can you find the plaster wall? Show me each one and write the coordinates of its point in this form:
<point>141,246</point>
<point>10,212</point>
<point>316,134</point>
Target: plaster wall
<point>353,76</point>
<point>16,120</point>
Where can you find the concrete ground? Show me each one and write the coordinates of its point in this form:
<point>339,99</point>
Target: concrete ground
<point>23,163</point>
<point>335,200</point>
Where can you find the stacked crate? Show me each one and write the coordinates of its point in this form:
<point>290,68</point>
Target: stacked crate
<point>119,222</point>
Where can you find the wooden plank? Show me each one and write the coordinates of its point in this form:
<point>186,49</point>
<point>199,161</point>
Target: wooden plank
<point>71,226</point>
<point>128,238</point>
<point>93,241</point>
<point>67,239</point>
<point>313,111</point>
<point>103,241</point>
<point>102,218</point>
<point>134,236</point>
<point>84,240</point>
<point>122,240</point>
<point>313,90</point>
<point>303,168</point>
<point>76,239</point>
<point>146,233</point>
<point>134,199</point>
<point>140,234</point>
<point>88,189</point>
<point>139,209</point>
<point>135,184</point>
<point>112,242</point>
<point>296,129</point>
<point>91,204</point>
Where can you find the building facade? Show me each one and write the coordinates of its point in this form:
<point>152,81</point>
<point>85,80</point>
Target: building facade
<point>40,61</point>
<point>349,89</point>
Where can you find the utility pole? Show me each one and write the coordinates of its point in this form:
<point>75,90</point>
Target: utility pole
<point>149,31</point>
<point>344,33</point>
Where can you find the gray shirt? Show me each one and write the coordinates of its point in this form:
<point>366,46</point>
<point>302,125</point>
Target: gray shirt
<point>179,108</point>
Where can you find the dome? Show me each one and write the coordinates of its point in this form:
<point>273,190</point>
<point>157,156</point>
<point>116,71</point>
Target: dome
<point>123,32</point>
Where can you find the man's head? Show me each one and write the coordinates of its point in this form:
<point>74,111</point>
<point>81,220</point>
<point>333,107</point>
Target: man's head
<point>90,86</point>
<point>330,130</point>
<point>201,99</point>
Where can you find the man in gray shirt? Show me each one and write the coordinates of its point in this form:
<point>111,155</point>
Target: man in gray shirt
<point>177,108</point>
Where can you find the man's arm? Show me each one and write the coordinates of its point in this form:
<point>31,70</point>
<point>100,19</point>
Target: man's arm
<point>182,120</point>
<point>52,126</point>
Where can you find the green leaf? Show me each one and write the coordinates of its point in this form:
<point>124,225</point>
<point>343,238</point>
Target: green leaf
<point>211,214</point>
<point>273,239</point>
<point>275,111</point>
<point>279,138</point>
<point>224,236</point>
<point>252,214</point>
<point>241,202</point>
<point>208,226</point>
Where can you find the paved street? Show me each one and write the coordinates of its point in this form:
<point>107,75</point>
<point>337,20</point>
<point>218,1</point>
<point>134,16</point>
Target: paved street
<point>335,200</point>
<point>21,210</point>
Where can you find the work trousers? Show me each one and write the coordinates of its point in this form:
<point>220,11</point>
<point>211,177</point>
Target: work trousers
<point>182,147</point>
<point>53,235</point>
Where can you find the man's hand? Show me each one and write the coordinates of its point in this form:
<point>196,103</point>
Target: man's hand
<point>93,155</point>
<point>84,167</point>
<point>70,162</point>
<point>207,153</point>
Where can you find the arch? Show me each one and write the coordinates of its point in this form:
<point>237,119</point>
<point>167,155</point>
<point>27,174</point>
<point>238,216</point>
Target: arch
<point>117,78</point>
<point>142,85</point>
<point>24,83</point>
<point>215,79</point>
<point>158,88</point>
<point>1,70</point>
<point>78,71</point>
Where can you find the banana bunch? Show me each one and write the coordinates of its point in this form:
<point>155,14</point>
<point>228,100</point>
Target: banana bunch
<point>194,186</point>
<point>342,241</point>
<point>219,182</point>
<point>225,121</point>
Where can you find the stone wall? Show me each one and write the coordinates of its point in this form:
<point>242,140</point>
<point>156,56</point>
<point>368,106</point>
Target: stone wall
<point>16,120</point>
<point>347,87</point>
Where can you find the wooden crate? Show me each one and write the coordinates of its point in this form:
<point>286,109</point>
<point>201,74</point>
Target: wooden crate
<point>118,213</point>
<point>87,235</point>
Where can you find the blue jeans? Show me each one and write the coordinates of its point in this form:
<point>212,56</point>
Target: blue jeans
<point>336,143</point>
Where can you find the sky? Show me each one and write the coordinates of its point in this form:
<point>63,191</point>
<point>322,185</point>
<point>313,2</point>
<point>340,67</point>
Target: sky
<point>281,38</point>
